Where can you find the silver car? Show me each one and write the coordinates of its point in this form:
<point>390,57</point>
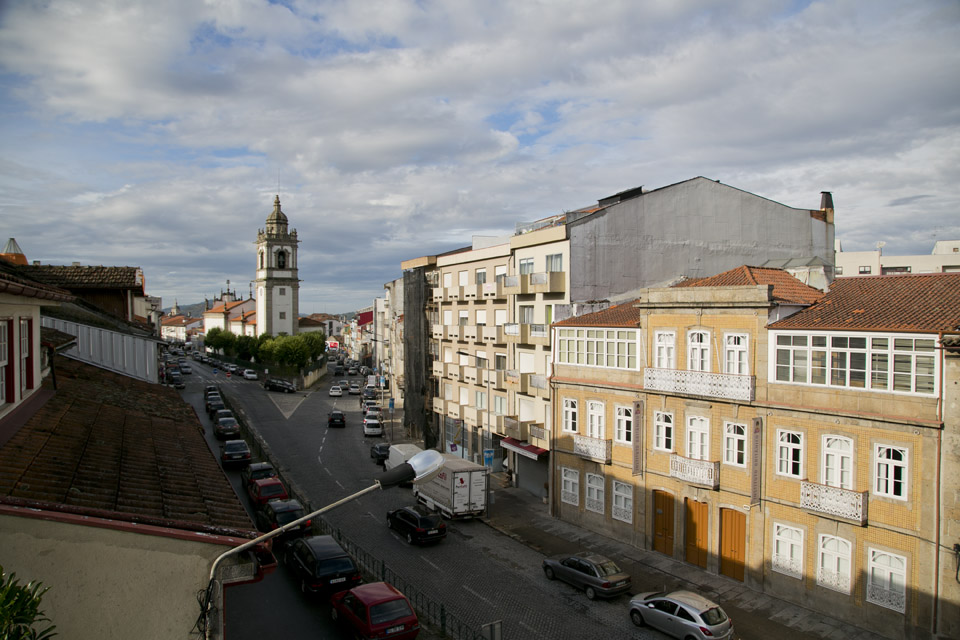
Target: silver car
<point>596,575</point>
<point>681,614</point>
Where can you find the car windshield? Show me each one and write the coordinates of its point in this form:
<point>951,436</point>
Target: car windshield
<point>336,565</point>
<point>233,448</point>
<point>286,517</point>
<point>271,490</point>
<point>389,611</point>
<point>714,616</point>
<point>608,568</point>
<point>263,473</point>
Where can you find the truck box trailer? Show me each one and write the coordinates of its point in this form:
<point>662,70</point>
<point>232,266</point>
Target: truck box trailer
<point>458,491</point>
<point>400,453</point>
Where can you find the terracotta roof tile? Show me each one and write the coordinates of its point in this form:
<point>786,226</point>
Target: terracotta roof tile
<point>622,315</point>
<point>919,302</point>
<point>86,277</point>
<point>786,288</point>
<point>112,444</point>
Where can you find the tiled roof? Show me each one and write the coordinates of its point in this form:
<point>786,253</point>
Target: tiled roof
<point>920,302</point>
<point>225,306</point>
<point>786,288</point>
<point>622,315</point>
<point>15,282</point>
<point>108,443</point>
<point>86,277</point>
<point>307,321</point>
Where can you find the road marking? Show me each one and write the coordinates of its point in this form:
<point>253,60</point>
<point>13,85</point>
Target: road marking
<point>466,588</point>
<point>338,484</point>
<point>524,624</point>
<point>430,563</point>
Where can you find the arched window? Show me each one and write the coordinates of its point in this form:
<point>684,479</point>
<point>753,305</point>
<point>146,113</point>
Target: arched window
<point>261,259</point>
<point>281,260</point>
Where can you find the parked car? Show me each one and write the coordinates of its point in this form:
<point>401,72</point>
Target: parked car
<point>380,452</point>
<point>266,489</point>
<point>186,369</point>
<point>249,374</point>
<point>274,384</point>
<point>277,513</point>
<point>338,371</point>
<point>681,614</point>
<point>174,378</point>
<point>322,565</point>
<point>597,575</point>
<point>372,427</point>
<point>344,384</point>
<point>234,453</point>
<point>257,471</point>
<point>375,610</point>
<point>226,427</point>
<point>336,418</point>
<point>369,393</point>
<point>223,413</point>
<point>354,389</point>
<point>213,397</point>
<point>211,388</point>
<point>352,371</point>
<point>417,524</point>
<point>214,406</point>
<point>336,391</point>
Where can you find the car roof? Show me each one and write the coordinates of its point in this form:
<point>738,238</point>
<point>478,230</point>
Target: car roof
<point>336,412</point>
<point>235,443</point>
<point>258,466</point>
<point>693,600</point>
<point>280,506</point>
<point>592,557</point>
<point>324,546</point>
<point>376,592</point>
<point>266,481</point>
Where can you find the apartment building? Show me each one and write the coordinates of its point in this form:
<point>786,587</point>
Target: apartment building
<point>802,444</point>
<point>944,258</point>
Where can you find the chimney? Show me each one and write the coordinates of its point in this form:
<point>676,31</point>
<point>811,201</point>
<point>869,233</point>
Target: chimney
<point>826,205</point>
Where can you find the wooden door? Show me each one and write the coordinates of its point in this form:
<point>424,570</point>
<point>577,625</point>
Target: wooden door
<point>663,522</point>
<point>733,543</point>
<point>696,532</point>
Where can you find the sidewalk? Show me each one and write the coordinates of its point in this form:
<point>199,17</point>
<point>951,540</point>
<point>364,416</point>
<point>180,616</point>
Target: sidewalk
<point>523,516</point>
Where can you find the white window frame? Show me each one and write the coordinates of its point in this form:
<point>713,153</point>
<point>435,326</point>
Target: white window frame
<point>499,405</point>
<point>698,438</point>
<point>570,415</point>
<point>834,564</point>
<point>480,277</point>
<point>886,582</point>
<point>464,399</point>
<point>787,550</point>
<point>665,350</point>
<point>785,455</point>
<point>622,508</point>
<point>447,279</point>
<point>596,485</point>
<point>554,262</point>
<point>463,318</point>
<point>836,461</point>
<point>734,444</point>
<point>885,474</point>
<point>736,354</point>
<point>698,350</point>
<point>481,400</point>
<point>663,431</point>
<point>463,278</point>
<point>623,430</point>
<point>596,427</point>
<point>524,266</point>
<point>570,486</point>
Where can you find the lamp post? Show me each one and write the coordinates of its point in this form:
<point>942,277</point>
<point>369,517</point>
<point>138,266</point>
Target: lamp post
<point>418,469</point>
<point>484,436</point>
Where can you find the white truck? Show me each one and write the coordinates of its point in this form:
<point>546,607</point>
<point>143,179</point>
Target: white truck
<point>458,491</point>
<point>400,453</point>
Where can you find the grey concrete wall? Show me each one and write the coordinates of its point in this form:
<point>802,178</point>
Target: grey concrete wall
<point>696,228</point>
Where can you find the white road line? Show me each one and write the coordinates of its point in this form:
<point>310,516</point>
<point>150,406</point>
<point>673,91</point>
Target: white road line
<point>338,484</point>
<point>466,588</point>
<point>524,624</point>
<point>424,558</point>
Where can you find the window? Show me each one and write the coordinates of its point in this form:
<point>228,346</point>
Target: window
<point>281,259</point>
<point>622,509</point>
<point>447,317</point>
<point>500,405</point>
<point>864,270</point>
<point>569,414</point>
<point>663,431</point>
<point>26,355</point>
<point>612,348</point>
<point>499,317</point>
<point>464,399</point>
<point>698,438</point>
<point>283,315</point>
<point>595,419</point>
<point>624,426</point>
<point>555,262</point>
<point>839,271</point>
<point>447,280</point>
<point>500,361</point>
<point>526,266</point>
<point>5,376</point>
<point>481,400</point>
<point>890,472</point>
<point>735,444</point>
<point>698,351</point>
<point>462,278</point>
<point>594,493</point>
<point>261,259</point>
<point>282,291</point>
<point>837,467</point>
<point>481,317</point>
<point>447,391</point>
<point>787,550</point>
<point>526,314</point>
<point>833,563</point>
<point>790,454</point>
<point>886,580</point>
<point>735,358</point>
<point>499,273</point>
<point>482,362</point>
<point>463,318</point>
<point>481,276</point>
<point>666,343</point>
<point>570,488</point>
<point>913,365</point>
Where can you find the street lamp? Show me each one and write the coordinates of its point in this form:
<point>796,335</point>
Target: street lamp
<point>486,436</point>
<point>418,469</point>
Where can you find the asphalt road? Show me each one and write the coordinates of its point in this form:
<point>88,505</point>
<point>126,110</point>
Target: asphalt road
<point>477,574</point>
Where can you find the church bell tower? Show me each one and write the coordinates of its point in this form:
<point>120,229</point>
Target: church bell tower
<point>278,287</point>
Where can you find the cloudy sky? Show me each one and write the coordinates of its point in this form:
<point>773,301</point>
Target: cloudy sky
<point>155,134</point>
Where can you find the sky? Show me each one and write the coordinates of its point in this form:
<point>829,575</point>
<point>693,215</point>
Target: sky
<point>157,134</point>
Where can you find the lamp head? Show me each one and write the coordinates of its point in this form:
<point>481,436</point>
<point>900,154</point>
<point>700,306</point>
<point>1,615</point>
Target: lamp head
<point>418,469</point>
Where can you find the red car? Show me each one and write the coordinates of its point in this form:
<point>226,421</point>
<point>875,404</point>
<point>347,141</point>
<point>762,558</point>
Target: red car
<point>266,489</point>
<point>375,610</point>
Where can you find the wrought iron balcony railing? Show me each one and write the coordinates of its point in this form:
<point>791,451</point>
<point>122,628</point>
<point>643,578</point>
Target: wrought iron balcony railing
<point>705,472</point>
<point>593,448</point>
<point>700,383</point>
<point>834,501</point>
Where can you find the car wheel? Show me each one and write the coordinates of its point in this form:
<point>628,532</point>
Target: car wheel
<point>591,593</point>
<point>389,523</point>
<point>409,538</point>
<point>636,617</point>
<point>547,571</point>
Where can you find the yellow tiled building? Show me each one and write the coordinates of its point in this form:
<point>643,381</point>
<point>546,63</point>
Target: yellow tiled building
<point>749,426</point>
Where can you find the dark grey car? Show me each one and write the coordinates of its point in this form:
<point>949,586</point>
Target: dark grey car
<point>599,577</point>
<point>681,614</point>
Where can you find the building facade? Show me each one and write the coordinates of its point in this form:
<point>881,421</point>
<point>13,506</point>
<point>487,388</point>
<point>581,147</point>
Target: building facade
<point>277,281</point>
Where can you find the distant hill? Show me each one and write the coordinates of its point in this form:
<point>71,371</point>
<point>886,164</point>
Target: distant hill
<point>191,310</point>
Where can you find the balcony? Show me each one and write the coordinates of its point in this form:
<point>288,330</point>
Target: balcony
<point>834,501</point>
<point>699,383</point>
<point>470,333</point>
<point>537,430</point>
<point>547,282</point>
<point>437,369</point>
<point>498,378</point>
<point>512,285</point>
<point>492,291</point>
<point>437,331</point>
<point>515,429</point>
<point>538,334</point>
<point>703,472</point>
<point>454,293</point>
<point>516,381</point>
<point>453,410</point>
<point>437,294</point>
<point>455,333</point>
<point>451,370</point>
<point>537,386</point>
<point>440,406</point>
<point>471,292</point>
<point>595,449</point>
<point>511,333</point>
<point>470,374</point>
<point>492,335</point>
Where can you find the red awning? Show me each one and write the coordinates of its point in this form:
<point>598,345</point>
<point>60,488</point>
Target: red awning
<point>523,448</point>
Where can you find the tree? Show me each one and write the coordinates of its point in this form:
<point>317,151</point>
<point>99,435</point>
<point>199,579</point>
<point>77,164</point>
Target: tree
<point>248,348</point>
<point>20,609</point>
<point>290,350</point>
<point>316,343</point>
